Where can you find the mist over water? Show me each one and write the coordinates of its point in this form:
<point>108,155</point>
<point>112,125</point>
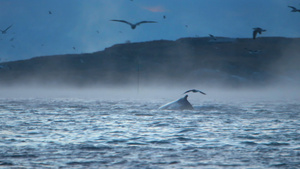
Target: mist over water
<point>277,91</point>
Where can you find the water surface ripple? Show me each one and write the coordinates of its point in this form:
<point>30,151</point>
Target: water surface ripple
<point>75,133</point>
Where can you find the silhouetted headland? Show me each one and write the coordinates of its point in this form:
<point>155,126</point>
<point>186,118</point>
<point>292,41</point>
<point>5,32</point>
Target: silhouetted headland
<point>184,61</point>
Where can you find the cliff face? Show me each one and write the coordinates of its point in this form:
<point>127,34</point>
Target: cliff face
<point>186,60</point>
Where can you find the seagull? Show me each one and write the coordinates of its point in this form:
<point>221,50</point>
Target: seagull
<point>133,26</point>
<point>257,30</point>
<point>253,52</point>
<point>194,91</point>
<point>212,36</point>
<point>294,9</point>
<point>4,31</point>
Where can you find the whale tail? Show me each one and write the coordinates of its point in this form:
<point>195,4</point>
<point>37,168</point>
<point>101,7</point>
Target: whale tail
<point>180,104</point>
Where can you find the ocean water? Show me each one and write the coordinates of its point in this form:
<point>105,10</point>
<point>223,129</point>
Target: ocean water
<point>134,134</point>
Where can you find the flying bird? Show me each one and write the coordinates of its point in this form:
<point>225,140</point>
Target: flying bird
<point>294,9</point>
<point>49,12</point>
<point>4,31</point>
<point>253,52</point>
<point>212,36</point>
<point>194,91</point>
<point>257,30</point>
<point>133,26</point>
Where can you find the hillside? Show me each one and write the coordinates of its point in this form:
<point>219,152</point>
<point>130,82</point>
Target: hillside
<point>187,60</point>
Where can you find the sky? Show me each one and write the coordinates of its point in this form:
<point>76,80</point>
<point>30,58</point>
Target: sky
<point>84,26</point>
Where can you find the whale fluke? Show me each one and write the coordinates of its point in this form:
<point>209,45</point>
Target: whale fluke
<point>180,104</point>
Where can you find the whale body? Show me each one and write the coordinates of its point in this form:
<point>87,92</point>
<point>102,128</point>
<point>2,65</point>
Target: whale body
<point>180,104</point>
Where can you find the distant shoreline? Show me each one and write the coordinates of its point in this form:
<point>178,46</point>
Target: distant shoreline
<point>194,60</point>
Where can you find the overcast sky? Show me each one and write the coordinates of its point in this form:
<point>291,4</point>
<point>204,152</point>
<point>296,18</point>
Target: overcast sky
<point>83,26</point>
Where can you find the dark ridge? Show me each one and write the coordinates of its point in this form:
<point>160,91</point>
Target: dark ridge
<point>186,60</point>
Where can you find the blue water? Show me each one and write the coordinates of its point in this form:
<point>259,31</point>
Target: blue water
<point>129,134</point>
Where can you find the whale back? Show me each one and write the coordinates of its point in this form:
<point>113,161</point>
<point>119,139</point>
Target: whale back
<point>180,104</point>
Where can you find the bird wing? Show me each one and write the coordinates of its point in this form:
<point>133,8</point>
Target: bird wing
<point>145,22</point>
<point>212,36</point>
<point>254,34</point>
<point>188,91</point>
<point>122,21</point>
<point>292,7</point>
<point>201,92</point>
<point>8,28</point>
